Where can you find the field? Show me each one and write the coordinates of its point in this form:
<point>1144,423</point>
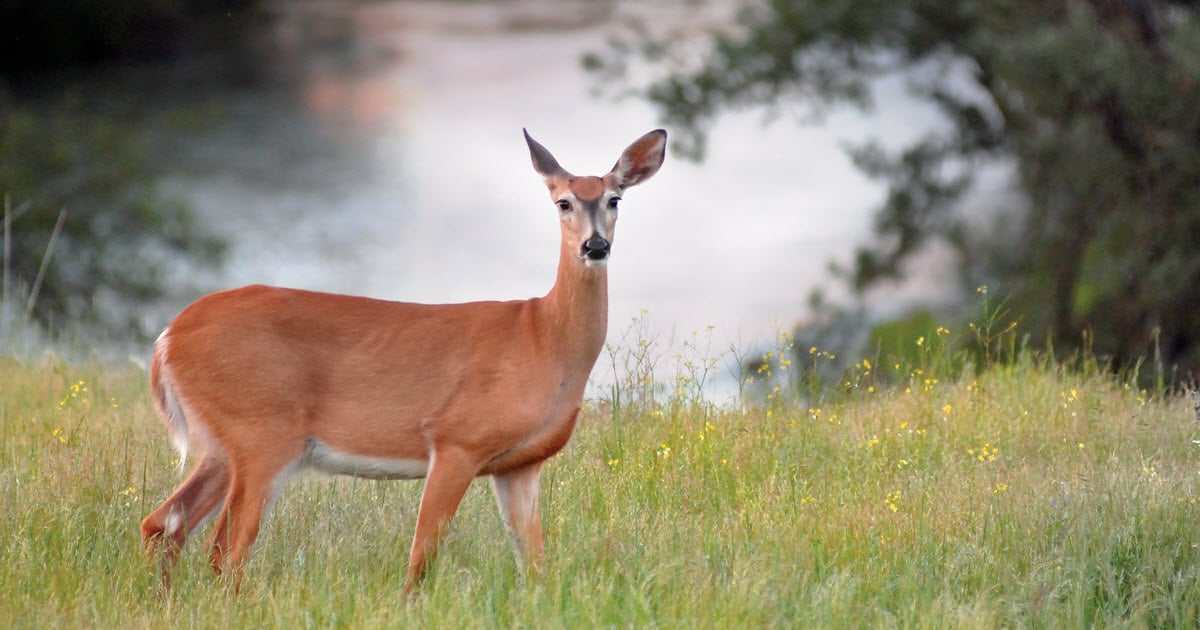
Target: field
<point>1031,493</point>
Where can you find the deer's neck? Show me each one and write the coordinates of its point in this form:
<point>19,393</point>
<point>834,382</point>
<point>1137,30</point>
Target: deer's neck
<point>575,312</point>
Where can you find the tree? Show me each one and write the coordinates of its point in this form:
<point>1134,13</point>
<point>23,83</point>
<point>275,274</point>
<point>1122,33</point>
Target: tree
<point>119,236</point>
<point>65,150</point>
<point>1093,102</point>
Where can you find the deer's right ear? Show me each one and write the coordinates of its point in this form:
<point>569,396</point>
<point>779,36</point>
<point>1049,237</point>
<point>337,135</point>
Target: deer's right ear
<point>543,162</point>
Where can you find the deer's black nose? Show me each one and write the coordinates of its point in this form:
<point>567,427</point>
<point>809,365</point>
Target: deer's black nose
<point>596,248</point>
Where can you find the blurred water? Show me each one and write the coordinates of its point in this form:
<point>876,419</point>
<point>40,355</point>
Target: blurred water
<point>393,165</point>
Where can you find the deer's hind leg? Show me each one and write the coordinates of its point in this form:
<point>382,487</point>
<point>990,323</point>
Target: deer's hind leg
<point>194,502</point>
<point>256,478</point>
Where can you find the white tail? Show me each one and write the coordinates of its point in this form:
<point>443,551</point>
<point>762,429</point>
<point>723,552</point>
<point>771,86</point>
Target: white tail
<point>263,381</point>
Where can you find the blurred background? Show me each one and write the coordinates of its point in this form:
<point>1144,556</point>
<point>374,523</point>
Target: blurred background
<point>850,173</point>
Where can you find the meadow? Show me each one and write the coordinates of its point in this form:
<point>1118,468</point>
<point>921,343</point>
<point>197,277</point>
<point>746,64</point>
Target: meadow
<point>1029,493</point>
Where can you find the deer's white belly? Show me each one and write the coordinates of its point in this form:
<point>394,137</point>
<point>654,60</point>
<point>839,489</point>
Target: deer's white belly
<point>328,460</point>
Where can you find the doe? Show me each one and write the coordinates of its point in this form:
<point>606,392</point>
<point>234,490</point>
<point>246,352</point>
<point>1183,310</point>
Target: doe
<point>265,381</point>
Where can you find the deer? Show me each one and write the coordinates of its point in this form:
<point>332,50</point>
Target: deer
<point>265,381</point>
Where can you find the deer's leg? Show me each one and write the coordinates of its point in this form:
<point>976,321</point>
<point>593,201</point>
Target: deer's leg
<point>167,528</point>
<point>517,496</point>
<point>255,481</point>
<point>450,474</point>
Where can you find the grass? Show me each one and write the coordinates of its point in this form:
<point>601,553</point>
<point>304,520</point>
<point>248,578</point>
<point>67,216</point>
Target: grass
<point>1031,494</point>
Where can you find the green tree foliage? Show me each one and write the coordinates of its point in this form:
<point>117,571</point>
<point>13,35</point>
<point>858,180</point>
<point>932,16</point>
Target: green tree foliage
<point>1095,104</point>
<point>120,233</point>
<point>64,149</point>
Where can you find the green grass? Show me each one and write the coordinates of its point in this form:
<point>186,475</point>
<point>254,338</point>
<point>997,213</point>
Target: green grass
<point>1030,495</point>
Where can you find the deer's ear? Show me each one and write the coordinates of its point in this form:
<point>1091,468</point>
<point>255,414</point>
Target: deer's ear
<point>641,160</point>
<point>543,162</point>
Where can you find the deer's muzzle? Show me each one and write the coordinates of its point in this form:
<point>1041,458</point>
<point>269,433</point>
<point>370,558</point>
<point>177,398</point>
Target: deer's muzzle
<point>596,248</point>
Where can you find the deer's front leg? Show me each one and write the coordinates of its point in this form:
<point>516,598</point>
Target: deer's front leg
<point>450,474</point>
<point>517,496</point>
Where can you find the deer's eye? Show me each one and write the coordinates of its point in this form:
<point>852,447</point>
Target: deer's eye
<point>612,202</point>
<point>564,205</point>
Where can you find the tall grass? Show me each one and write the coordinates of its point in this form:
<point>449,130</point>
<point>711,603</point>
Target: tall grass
<point>1030,493</point>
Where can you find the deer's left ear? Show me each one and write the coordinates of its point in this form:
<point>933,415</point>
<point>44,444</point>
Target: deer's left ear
<point>641,160</point>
